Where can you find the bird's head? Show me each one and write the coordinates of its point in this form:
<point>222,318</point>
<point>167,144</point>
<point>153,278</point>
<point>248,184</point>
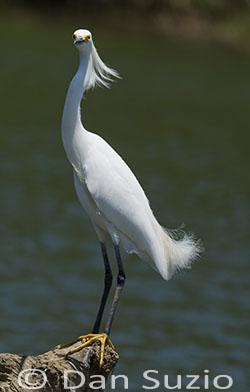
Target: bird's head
<point>82,40</point>
<point>98,74</point>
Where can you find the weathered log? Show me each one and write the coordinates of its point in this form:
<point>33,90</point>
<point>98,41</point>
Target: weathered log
<point>57,372</point>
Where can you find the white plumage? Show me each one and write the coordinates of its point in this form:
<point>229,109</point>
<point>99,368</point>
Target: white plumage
<point>105,185</point>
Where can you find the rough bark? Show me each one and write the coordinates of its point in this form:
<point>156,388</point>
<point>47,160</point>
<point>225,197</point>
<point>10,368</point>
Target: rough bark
<point>50,370</point>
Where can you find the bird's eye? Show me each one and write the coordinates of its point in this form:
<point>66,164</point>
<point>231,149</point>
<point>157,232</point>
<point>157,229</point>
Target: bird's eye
<point>88,37</point>
<point>74,36</point>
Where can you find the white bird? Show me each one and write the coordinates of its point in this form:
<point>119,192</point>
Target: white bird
<point>110,193</point>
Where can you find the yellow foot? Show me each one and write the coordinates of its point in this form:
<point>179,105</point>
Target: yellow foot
<point>88,339</point>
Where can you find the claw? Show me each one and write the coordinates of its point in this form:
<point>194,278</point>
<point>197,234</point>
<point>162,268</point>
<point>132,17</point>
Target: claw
<point>88,339</point>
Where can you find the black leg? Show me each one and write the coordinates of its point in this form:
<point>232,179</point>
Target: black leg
<point>107,287</point>
<point>120,283</point>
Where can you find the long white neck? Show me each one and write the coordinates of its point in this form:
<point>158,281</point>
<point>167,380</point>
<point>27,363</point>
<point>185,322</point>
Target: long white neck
<point>91,72</point>
<point>71,120</point>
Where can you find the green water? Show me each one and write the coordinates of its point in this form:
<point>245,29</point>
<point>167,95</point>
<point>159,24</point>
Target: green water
<point>180,118</point>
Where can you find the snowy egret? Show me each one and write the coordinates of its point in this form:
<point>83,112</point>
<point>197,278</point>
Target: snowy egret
<point>110,193</point>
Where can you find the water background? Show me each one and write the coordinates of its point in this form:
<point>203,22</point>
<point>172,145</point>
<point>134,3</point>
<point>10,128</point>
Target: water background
<point>180,119</point>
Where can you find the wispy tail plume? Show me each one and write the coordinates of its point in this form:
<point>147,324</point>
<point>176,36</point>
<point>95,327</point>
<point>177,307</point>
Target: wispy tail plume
<point>176,253</point>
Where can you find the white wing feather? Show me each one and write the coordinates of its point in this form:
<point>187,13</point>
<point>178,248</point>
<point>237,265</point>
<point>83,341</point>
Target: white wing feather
<point>124,206</point>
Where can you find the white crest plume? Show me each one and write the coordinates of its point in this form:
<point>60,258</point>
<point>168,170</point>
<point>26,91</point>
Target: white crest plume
<point>99,74</point>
